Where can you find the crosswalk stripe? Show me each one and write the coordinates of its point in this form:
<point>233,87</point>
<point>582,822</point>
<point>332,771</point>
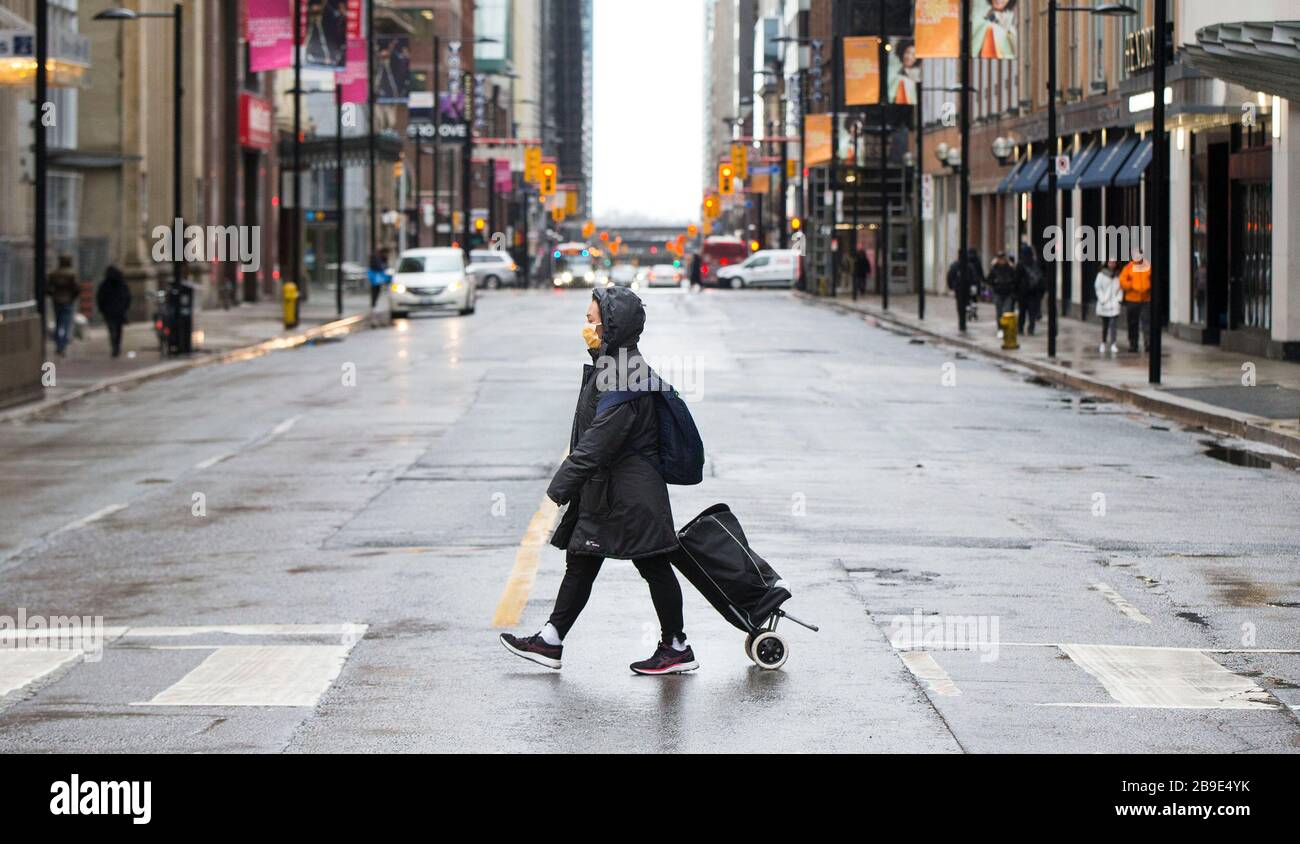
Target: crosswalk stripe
<point>923,666</point>
<point>257,675</point>
<point>1167,678</point>
<point>21,667</point>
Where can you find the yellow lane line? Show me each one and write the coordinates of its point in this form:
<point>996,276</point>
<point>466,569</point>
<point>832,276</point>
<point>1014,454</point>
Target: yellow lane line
<point>520,584</point>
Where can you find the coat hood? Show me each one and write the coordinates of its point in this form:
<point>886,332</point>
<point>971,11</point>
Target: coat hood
<point>622,315</point>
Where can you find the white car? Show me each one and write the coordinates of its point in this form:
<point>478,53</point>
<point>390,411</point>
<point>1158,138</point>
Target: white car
<point>765,268</point>
<point>664,275</point>
<point>623,275</point>
<point>492,268</point>
<point>432,279</point>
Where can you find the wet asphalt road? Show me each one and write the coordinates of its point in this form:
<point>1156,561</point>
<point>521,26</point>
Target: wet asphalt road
<point>290,561</point>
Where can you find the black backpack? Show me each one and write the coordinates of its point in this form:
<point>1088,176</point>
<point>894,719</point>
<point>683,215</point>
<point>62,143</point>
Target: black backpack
<point>681,451</point>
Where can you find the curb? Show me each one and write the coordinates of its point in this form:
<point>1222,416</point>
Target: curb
<point>1186,411</point>
<point>342,326</point>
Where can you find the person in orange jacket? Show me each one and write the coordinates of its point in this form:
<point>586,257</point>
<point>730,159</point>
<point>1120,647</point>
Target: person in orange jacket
<point>1135,281</point>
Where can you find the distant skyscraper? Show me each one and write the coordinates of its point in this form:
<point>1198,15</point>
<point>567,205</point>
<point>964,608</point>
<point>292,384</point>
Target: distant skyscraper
<point>567,92</point>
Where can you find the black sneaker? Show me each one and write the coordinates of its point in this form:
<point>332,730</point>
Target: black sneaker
<point>667,660</point>
<point>534,648</point>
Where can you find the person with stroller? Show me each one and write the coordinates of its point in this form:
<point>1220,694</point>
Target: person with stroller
<point>617,501</point>
<point>1002,278</point>
<point>1029,288</point>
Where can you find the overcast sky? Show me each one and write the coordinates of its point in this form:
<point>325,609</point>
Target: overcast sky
<point>648,73</point>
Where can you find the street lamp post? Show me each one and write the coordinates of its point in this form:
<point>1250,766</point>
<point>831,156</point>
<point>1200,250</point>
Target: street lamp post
<point>918,247</point>
<point>42,94</point>
<point>180,345</point>
<point>1160,225</point>
<point>1106,9</point>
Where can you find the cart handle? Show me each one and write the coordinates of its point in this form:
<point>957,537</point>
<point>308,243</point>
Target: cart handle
<point>813,627</point>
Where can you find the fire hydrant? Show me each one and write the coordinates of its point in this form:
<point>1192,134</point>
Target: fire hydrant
<point>1008,323</point>
<point>290,293</point>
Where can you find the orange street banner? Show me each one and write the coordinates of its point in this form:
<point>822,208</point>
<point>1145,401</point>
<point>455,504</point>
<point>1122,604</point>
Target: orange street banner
<point>861,71</point>
<point>817,139</point>
<point>938,29</point>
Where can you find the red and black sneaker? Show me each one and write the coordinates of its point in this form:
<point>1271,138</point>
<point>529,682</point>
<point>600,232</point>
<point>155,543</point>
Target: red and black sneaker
<point>534,648</point>
<point>667,660</point>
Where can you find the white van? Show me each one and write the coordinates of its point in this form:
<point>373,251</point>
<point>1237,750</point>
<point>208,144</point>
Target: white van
<point>765,268</point>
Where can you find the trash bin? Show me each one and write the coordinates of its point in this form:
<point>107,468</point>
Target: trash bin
<point>180,319</point>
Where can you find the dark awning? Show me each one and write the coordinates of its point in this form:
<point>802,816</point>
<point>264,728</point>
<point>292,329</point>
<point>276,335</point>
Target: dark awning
<point>1027,177</point>
<point>1078,164</point>
<point>1131,173</point>
<point>1007,180</point>
<point>1106,163</point>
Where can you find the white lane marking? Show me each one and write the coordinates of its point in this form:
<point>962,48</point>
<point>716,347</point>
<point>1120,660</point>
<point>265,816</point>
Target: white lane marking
<point>925,668</point>
<point>280,429</point>
<point>82,522</point>
<point>41,541</point>
<point>257,675</point>
<point>346,632</point>
<point>1120,602</point>
<point>948,645</point>
<point>1169,678</point>
<point>212,461</point>
<point>24,666</point>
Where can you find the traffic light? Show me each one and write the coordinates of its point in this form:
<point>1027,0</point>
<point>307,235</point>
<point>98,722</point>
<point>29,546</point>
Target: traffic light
<point>789,168</point>
<point>710,207</point>
<point>692,230</point>
<point>479,224</point>
<point>604,237</point>
<point>754,245</point>
<point>532,164</point>
<point>588,228</point>
<point>548,180</point>
<point>726,175</point>
<point>795,223</point>
<point>557,214</point>
<point>740,160</point>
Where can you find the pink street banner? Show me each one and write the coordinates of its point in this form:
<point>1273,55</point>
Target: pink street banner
<point>269,29</point>
<point>353,76</point>
<point>503,181</point>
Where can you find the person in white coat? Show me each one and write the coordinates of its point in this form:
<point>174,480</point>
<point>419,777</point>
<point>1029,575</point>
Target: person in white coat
<point>1109,295</point>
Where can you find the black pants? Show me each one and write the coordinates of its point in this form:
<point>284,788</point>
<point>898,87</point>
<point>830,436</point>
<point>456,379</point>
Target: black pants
<point>1029,314</point>
<point>1139,319</point>
<point>114,335</point>
<point>375,290</point>
<point>580,572</point>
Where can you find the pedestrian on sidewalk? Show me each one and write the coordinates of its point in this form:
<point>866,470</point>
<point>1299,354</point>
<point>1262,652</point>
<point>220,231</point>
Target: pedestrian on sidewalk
<point>1002,278</point>
<point>64,290</point>
<point>1135,281</point>
<point>617,502</point>
<point>114,301</point>
<point>697,275</point>
<point>1029,288</point>
<point>1109,294</point>
<point>861,271</point>
<point>377,275</point>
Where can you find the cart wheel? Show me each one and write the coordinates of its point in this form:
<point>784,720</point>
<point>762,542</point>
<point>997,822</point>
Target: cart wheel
<point>768,651</point>
<point>749,640</point>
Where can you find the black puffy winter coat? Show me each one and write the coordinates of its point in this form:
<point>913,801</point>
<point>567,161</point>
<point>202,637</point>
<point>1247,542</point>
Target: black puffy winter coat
<point>617,500</point>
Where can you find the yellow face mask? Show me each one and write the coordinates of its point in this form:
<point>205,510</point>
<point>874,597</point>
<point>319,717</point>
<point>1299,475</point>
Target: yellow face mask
<point>589,334</point>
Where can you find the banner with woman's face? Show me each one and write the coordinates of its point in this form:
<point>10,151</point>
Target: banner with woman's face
<point>903,73</point>
<point>993,28</point>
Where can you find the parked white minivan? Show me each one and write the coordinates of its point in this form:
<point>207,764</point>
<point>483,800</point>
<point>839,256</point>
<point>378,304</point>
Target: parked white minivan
<point>765,268</point>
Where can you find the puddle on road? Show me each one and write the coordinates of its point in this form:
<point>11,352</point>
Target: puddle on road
<point>1193,617</point>
<point>1246,458</point>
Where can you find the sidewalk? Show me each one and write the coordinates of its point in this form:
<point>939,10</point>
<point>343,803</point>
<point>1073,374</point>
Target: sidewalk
<point>219,336</point>
<point>1201,385</point>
